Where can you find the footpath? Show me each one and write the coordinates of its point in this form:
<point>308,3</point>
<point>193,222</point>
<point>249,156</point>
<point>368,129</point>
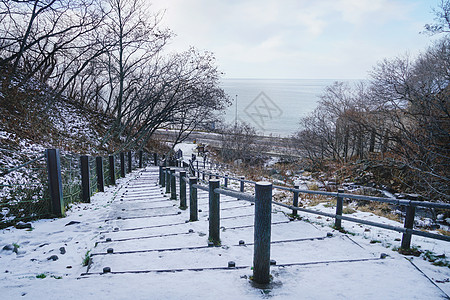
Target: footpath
<point>136,243</point>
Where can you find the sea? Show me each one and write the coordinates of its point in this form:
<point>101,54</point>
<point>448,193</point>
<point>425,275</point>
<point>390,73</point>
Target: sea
<point>273,106</point>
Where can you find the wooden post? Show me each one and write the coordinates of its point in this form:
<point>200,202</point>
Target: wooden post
<point>155,159</point>
<point>141,164</point>
<point>130,162</point>
<point>112,170</point>
<point>339,206</point>
<point>241,182</point>
<point>55,182</point>
<point>163,177</point>
<point>262,231</point>
<point>99,171</point>
<point>173,185</point>
<point>409,223</point>
<point>160,175</point>
<point>182,190</point>
<point>295,202</point>
<point>193,200</point>
<point>122,164</point>
<point>167,180</point>
<point>214,212</point>
<point>226,180</point>
<point>85,189</point>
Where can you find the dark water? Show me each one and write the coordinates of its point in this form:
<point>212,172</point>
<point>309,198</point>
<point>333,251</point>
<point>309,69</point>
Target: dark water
<point>273,106</point>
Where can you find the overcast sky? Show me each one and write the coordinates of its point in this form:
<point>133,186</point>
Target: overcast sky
<point>338,39</point>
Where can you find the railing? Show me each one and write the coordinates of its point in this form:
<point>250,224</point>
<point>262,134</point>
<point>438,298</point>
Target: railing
<point>262,199</point>
<point>23,188</point>
<point>46,185</point>
<point>71,178</point>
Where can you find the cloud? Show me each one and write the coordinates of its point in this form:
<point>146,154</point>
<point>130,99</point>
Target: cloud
<point>296,38</point>
<point>364,11</point>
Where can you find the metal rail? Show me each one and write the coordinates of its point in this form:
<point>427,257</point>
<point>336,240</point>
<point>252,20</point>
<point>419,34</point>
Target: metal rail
<point>23,165</point>
<point>407,230</point>
<point>399,202</point>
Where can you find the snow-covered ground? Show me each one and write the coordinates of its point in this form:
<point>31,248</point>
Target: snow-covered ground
<point>157,254</point>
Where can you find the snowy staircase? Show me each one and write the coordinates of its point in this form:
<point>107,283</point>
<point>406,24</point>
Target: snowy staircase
<point>147,232</point>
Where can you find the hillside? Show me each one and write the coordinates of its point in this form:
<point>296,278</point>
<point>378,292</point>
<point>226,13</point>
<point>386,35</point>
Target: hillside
<point>33,117</point>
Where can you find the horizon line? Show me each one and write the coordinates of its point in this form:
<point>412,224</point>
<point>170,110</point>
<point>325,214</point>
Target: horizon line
<point>279,78</point>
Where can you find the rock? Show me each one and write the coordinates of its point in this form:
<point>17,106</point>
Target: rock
<point>53,257</point>
<point>434,226</point>
<point>273,172</point>
<point>238,162</point>
<point>23,225</point>
<point>62,250</point>
<point>9,247</point>
<point>72,223</point>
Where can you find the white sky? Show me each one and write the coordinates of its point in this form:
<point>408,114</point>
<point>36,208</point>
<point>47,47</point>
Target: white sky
<point>339,39</point>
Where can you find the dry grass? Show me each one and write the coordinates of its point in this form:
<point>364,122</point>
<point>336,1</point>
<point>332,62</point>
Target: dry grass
<point>348,210</point>
<point>313,187</point>
<point>285,197</point>
<point>444,232</point>
<point>313,200</point>
<point>379,209</point>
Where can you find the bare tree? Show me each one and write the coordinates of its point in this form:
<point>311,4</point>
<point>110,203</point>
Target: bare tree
<point>239,143</point>
<point>442,19</point>
<point>403,113</point>
<point>33,33</point>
